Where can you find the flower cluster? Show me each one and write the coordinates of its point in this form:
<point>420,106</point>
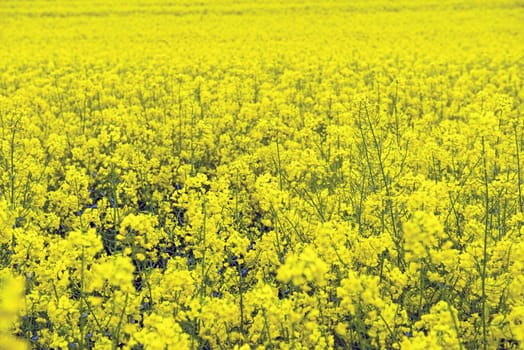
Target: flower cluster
<point>261,175</point>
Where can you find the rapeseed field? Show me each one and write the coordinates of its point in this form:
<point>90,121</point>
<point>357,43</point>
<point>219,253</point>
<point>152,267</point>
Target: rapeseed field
<point>239,174</point>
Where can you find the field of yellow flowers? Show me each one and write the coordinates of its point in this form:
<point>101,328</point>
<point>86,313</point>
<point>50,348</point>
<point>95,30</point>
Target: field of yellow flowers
<point>261,174</point>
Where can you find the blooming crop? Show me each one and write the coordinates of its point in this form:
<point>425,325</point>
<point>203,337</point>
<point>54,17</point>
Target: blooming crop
<point>261,175</point>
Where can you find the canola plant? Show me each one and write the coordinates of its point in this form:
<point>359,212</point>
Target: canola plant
<point>261,175</point>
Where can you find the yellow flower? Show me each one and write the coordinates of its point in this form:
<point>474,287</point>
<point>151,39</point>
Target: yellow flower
<point>303,268</point>
<point>11,305</point>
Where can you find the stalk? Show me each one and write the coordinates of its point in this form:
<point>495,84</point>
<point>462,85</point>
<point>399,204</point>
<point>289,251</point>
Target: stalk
<point>519,179</point>
<point>485,250</point>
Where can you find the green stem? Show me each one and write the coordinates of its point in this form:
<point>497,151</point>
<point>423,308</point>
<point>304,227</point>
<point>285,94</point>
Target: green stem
<point>485,250</point>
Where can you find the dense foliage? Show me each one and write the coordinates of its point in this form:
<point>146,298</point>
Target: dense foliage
<point>270,175</point>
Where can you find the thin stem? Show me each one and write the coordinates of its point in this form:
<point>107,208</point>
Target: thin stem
<point>485,250</point>
<point>119,326</point>
<point>519,179</point>
<point>279,165</point>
